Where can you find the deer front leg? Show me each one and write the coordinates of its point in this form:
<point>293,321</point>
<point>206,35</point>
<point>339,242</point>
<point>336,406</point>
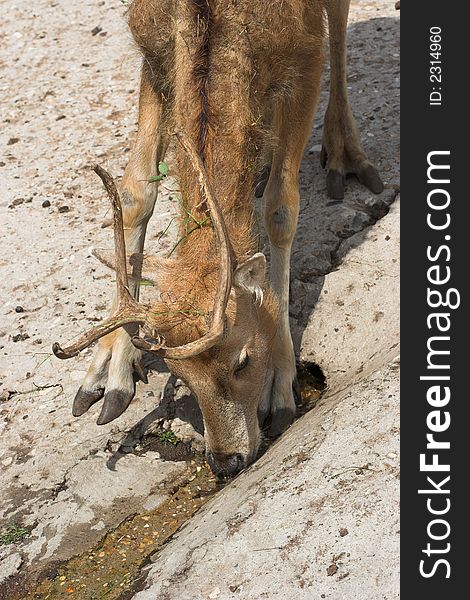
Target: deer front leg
<point>281,210</point>
<point>116,360</point>
<point>292,125</point>
<point>342,153</point>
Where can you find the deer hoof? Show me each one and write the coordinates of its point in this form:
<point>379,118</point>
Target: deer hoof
<point>335,185</point>
<point>369,177</point>
<point>297,391</point>
<point>280,421</point>
<point>140,371</point>
<point>84,399</point>
<point>262,181</point>
<point>115,403</point>
<point>323,157</point>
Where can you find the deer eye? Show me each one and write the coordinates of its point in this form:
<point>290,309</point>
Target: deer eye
<point>242,361</point>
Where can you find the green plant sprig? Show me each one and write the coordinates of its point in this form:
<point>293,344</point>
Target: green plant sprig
<point>14,533</point>
<point>162,173</point>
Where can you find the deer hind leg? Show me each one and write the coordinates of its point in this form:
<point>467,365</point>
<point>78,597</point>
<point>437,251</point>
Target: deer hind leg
<point>116,360</point>
<point>292,124</point>
<point>341,151</point>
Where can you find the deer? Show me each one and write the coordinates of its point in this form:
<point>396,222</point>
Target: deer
<point>231,86</point>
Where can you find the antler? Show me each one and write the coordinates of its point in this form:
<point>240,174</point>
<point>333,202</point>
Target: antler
<point>216,328</point>
<point>128,310</point>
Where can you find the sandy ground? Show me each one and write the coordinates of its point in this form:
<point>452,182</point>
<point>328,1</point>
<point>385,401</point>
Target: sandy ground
<point>68,99</point>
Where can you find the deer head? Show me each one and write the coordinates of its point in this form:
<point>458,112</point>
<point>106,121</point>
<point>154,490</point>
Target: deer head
<point>228,366</point>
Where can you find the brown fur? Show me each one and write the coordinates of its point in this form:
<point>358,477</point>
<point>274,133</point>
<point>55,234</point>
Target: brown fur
<point>241,79</point>
<point>233,62</point>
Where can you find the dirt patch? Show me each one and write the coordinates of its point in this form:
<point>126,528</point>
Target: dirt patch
<point>175,450</point>
<point>312,384</point>
<point>112,567</point>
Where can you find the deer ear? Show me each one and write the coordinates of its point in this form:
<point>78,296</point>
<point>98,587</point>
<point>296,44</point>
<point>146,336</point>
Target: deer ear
<point>249,277</point>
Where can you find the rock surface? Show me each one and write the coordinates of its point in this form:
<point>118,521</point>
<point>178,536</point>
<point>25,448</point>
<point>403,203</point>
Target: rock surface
<point>278,530</point>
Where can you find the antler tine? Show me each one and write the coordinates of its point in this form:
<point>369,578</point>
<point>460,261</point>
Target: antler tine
<point>127,311</point>
<point>225,274</point>
<point>121,317</point>
<point>119,241</point>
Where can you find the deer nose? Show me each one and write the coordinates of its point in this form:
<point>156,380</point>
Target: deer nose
<point>225,466</point>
